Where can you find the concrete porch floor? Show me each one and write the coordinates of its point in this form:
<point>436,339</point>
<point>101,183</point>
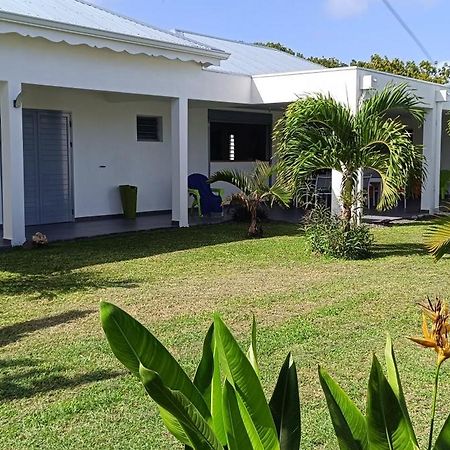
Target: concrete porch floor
<point>104,226</point>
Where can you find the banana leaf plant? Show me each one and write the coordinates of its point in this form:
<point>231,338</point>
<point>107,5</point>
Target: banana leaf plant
<point>224,407</point>
<point>386,424</point>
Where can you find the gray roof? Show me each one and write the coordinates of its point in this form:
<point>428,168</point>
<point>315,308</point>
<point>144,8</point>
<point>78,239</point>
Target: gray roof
<point>82,14</point>
<point>250,59</point>
<point>243,58</point>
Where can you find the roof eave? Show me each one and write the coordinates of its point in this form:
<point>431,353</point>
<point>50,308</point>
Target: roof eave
<point>210,56</point>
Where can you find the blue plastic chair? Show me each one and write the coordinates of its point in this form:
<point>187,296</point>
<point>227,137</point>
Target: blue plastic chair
<point>205,198</point>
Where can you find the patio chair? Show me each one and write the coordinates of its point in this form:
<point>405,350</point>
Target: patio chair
<point>206,199</point>
<point>367,188</point>
<point>322,189</point>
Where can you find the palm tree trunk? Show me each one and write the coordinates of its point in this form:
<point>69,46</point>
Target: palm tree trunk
<point>254,230</point>
<point>348,188</point>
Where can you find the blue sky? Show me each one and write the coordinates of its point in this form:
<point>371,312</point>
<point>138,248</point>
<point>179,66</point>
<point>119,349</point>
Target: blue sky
<point>343,28</point>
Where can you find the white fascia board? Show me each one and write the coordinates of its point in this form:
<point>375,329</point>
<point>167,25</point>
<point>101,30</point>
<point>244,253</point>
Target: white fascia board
<point>78,35</point>
<point>324,70</point>
<point>402,77</point>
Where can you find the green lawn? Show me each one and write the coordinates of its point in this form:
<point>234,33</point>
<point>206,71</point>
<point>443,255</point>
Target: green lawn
<point>61,387</point>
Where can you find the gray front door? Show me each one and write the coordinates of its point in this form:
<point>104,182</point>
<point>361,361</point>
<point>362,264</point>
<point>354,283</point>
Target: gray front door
<point>47,167</point>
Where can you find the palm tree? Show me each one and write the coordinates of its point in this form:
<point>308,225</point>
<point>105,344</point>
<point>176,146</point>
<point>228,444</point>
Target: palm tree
<point>318,133</point>
<point>255,190</point>
<point>437,238</point>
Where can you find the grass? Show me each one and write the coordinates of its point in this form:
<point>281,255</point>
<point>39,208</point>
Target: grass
<point>61,387</point>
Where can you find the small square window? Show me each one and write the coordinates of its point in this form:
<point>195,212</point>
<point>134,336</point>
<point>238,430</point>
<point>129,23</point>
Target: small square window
<point>149,129</point>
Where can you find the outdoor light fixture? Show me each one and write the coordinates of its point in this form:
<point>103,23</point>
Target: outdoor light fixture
<point>17,103</point>
<point>369,82</point>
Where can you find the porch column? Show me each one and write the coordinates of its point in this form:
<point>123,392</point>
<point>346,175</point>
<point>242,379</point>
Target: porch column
<point>336,192</point>
<point>179,110</point>
<point>12,163</point>
<point>432,135</point>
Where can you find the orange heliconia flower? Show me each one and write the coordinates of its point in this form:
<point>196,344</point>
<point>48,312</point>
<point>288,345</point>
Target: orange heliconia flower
<point>438,314</point>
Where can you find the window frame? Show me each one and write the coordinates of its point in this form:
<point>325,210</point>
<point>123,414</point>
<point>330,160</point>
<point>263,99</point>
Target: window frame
<point>159,124</point>
<point>241,118</point>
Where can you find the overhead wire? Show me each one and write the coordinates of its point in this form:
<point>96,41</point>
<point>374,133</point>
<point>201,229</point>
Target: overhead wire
<point>405,26</point>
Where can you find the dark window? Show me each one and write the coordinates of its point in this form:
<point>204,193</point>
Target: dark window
<point>149,129</point>
<point>239,142</point>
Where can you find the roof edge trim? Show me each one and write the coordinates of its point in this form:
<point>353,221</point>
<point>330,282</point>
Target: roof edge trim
<point>213,54</point>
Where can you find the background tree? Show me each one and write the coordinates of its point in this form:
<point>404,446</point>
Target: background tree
<point>423,70</point>
<point>318,133</point>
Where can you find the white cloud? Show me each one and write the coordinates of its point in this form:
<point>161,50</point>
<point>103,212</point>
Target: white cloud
<point>346,8</point>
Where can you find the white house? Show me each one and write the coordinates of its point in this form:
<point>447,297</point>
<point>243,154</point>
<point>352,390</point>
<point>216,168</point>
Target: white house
<point>90,100</point>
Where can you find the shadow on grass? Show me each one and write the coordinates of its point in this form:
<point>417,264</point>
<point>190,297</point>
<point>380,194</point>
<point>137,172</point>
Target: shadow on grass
<point>66,256</point>
<point>34,380</point>
<point>398,249</point>
<point>50,286</point>
<point>13,333</point>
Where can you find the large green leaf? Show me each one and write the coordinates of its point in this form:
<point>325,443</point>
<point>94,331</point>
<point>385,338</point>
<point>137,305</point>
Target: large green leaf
<point>255,411</point>
<point>217,397</point>
<point>348,422</point>
<point>200,435</point>
<point>134,346</point>
<point>237,437</point>
<point>388,428</point>
<point>252,353</point>
<point>393,378</point>
<point>208,381</point>
<point>443,440</point>
<point>285,406</point>
<point>204,374</point>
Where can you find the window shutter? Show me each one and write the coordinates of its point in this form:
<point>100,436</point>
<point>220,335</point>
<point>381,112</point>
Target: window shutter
<point>149,129</point>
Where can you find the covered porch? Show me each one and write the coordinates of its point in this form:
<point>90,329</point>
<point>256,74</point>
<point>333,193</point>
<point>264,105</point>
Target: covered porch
<point>66,151</point>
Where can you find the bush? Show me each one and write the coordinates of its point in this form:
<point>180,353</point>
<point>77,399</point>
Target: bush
<point>327,235</point>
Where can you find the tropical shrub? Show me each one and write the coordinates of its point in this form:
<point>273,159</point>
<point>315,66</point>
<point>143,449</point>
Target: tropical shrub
<point>224,407</point>
<point>318,132</point>
<point>387,424</point>
<point>255,190</point>
<point>327,234</point>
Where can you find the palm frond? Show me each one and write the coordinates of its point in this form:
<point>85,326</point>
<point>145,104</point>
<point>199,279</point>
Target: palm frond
<point>277,194</point>
<point>255,185</point>
<point>437,238</point>
<point>261,175</point>
<point>394,97</point>
<point>314,133</point>
<point>389,151</point>
<point>235,177</point>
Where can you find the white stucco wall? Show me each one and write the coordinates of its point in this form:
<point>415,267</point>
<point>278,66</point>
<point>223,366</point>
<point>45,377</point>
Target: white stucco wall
<point>198,140</point>
<point>104,134</point>
<point>342,84</point>
<point>37,61</point>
